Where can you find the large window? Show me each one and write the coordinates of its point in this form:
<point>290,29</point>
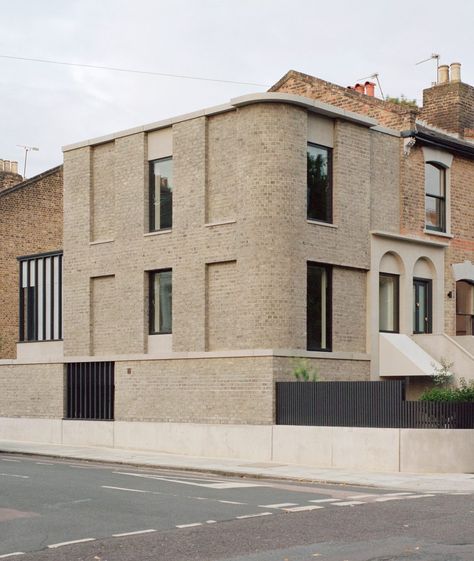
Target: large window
<point>318,307</point>
<point>435,197</point>
<point>319,183</point>
<point>161,194</point>
<point>41,297</point>
<point>160,301</point>
<point>388,302</point>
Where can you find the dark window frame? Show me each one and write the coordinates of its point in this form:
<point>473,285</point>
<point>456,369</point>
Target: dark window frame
<point>151,197</point>
<point>417,281</point>
<point>329,294</point>
<point>329,218</point>
<point>440,198</point>
<point>396,303</point>
<point>29,302</point>
<point>151,302</point>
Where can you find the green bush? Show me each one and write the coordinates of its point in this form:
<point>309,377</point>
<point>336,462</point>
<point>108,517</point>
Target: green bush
<point>303,372</point>
<point>464,393</point>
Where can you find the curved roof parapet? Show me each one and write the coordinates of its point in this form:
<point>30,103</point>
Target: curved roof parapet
<point>311,104</point>
<point>249,99</point>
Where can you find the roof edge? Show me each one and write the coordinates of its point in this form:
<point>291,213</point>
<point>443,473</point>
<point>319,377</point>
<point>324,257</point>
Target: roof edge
<point>31,180</point>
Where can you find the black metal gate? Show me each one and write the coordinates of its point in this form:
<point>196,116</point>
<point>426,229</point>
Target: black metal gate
<point>90,390</point>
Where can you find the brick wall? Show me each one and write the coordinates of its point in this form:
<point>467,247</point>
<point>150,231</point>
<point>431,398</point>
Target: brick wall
<point>31,221</point>
<point>222,302</point>
<point>104,320</point>
<point>34,390</point>
<point>103,192</point>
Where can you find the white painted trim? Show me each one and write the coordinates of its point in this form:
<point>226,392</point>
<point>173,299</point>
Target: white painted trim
<point>158,233</point>
<point>402,238</point>
<point>439,234</point>
<point>99,242</point>
<point>224,222</point>
<point>320,223</point>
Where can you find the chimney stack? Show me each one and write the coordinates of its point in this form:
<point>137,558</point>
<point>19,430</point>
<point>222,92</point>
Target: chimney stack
<point>369,89</point>
<point>9,175</point>
<point>449,104</point>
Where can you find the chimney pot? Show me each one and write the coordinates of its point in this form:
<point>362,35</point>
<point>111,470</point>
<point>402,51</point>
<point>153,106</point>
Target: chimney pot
<point>369,89</point>
<point>443,74</point>
<point>456,72</point>
<point>6,165</point>
<point>14,167</point>
<point>359,88</point>
<point>1,165</point>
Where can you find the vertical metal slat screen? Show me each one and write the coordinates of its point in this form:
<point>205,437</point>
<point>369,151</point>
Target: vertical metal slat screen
<point>90,390</point>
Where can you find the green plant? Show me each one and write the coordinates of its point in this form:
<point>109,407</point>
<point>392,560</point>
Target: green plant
<point>303,372</point>
<point>460,394</point>
<point>403,100</point>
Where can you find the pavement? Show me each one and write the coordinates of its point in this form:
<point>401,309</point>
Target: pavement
<point>427,482</point>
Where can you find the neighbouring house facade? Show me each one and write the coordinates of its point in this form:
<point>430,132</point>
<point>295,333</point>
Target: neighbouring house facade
<point>31,231</point>
<point>203,254</point>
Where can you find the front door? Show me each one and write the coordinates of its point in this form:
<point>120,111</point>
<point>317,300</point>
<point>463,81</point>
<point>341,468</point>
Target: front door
<point>421,306</point>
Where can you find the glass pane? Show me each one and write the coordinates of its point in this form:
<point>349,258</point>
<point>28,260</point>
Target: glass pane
<point>162,195</point>
<point>161,305</point>
<point>434,180</point>
<point>165,302</point>
<point>388,303</point>
<point>434,212</point>
<point>316,320</point>
<point>318,183</point>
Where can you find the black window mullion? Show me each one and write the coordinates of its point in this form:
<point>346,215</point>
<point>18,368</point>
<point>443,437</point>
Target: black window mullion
<point>21,304</point>
<point>51,323</point>
<point>36,302</point>
<point>44,298</point>
<point>60,297</point>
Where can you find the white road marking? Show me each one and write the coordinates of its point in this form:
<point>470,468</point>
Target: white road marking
<point>14,475</point>
<point>385,499</point>
<point>124,489</point>
<point>355,497</point>
<point>43,464</point>
<point>9,460</point>
<point>302,508</point>
<point>253,515</point>
<point>348,503</point>
<point>133,533</point>
<point>418,496</point>
<point>396,494</point>
<point>211,521</point>
<point>189,525</point>
<point>12,554</point>
<point>224,485</point>
<point>323,500</point>
<point>279,505</point>
<point>55,545</point>
<point>230,502</point>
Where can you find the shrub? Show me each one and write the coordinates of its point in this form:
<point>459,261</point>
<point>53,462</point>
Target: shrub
<point>464,393</point>
<point>303,372</point>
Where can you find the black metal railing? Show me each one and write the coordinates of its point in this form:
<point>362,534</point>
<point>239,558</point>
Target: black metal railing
<point>364,404</point>
<point>90,390</point>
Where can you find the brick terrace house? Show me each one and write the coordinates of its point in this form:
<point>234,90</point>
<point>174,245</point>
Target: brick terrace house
<point>204,253</point>
<point>31,223</point>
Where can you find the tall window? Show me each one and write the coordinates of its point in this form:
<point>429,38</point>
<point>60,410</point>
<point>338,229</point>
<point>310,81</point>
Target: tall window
<point>318,307</point>
<point>319,183</point>
<point>40,297</point>
<point>160,301</point>
<point>388,302</point>
<point>435,197</point>
<point>422,305</point>
<point>161,194</point>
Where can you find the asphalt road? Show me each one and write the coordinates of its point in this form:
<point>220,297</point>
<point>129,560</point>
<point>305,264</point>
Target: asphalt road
<point>69,511</point>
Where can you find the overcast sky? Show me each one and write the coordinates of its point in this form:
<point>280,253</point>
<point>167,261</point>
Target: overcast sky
<point>257,41</point>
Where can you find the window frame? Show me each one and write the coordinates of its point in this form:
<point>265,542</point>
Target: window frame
<point>328,316</point>
<point>442,199</point>
<point>428,283</point>
<point>329,150</point>
<point>396,303</point>
<point>51,304</point>
<point>151,196</point>
<point>151,302</point>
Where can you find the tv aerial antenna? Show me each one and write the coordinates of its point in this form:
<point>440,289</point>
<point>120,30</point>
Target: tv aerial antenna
<point>434,56</point>
<point>27,149</point>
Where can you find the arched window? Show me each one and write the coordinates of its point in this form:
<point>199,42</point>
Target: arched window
<point>435,196</point>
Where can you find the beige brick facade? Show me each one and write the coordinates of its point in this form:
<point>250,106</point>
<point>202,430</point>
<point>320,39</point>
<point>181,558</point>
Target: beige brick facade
<point>240,245</point>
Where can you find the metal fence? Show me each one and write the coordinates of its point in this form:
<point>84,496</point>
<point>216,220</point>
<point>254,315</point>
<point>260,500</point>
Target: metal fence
<point>90,390</point>
<point>364,404</point>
